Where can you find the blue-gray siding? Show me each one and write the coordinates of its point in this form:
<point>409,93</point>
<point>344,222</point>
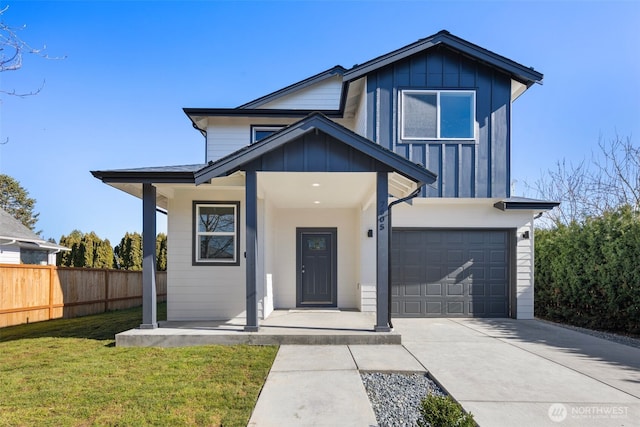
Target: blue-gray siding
<point>317,152</point>
<point>464,168</point>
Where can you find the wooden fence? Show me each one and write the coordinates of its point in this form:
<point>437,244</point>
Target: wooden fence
<point>33,293</point>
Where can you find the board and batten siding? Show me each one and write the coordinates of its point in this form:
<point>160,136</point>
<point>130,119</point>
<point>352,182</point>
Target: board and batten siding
<point>465,168</point>
<point>324,95</point>
<point>456,214</point>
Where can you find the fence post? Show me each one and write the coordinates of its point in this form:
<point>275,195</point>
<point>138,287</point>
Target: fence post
<point>106,290</point>
<point>51,267</point>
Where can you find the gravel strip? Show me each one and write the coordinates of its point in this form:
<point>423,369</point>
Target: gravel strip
<point>395,398</point>
<point>620,339</point>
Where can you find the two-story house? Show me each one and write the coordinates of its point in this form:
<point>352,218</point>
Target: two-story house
<point>384,187</point>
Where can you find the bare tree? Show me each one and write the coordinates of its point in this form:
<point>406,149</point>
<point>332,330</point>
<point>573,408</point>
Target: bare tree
<point>609,180</point>
<point>12,51</point>
<point>616,180</point>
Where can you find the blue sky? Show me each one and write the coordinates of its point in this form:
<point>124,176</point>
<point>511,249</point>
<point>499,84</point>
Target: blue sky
<point>116,99</point>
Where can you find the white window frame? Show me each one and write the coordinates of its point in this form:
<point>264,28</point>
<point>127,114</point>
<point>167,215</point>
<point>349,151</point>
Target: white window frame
<point>438,110</point>
<point>257,128</point>
<point>235,233</point>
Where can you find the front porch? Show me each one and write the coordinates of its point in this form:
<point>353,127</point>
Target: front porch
<point>317,327</point>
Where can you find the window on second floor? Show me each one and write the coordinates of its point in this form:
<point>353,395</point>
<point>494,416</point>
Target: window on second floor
<point>262,132</point>
<point>437,114</point>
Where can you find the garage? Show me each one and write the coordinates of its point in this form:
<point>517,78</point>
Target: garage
<point>450,273</point>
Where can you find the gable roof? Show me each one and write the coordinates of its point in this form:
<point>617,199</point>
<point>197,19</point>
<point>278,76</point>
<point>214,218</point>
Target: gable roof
<point>337,70</point>
<point>13,231</point>
<point>406,173</point>
<point>315,121</point>
<point>526,75</point>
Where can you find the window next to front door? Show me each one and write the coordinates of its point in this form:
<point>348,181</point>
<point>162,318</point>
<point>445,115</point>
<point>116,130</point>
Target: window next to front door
<point>216,233</point>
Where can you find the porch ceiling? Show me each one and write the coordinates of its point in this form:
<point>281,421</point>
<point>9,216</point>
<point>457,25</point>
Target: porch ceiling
<point>317,189</point>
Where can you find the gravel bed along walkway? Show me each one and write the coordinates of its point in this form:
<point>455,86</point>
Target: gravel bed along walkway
<point>620,339</point>
<point>395,398</point>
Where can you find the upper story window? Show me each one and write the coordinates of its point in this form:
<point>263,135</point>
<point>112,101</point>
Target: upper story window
<point>216,233</point>
<point>262,132</point>
<point>437,114</point>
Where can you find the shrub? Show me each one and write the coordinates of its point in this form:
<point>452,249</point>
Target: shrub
<point>587,274</point>
<point>443,411</point>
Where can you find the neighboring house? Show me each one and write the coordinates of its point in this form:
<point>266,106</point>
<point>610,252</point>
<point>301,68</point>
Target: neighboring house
<point>292,205</point>
<point>19,245</point>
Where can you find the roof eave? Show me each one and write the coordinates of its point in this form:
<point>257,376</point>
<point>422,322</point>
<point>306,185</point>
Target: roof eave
<point>526,75</point>
<point>538,205</point>
<point>112,177</point>
<point>256,112</point>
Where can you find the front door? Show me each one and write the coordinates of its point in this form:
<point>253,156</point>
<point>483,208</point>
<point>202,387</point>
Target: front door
<point>316,264</point>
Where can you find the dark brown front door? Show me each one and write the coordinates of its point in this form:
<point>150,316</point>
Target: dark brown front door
<point>316,265</point>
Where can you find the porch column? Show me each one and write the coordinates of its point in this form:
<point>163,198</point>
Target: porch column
<point>251,208</point>
<point>382,253</point>
<point>149,318</point>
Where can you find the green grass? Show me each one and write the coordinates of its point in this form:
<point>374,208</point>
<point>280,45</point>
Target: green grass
<point>68,373</point>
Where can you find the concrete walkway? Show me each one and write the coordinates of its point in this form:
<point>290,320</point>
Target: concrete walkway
<point>320,385</point>
<point>506,372</point>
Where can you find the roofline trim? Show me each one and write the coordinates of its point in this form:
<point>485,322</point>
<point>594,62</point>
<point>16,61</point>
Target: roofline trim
<point>533,205</point>
<point>134,177</point>
<point>336,70</point>
<point>527,74</point>
<point>256,112</point>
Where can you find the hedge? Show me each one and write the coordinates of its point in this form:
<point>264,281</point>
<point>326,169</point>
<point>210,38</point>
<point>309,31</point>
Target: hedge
<point>588,274</point>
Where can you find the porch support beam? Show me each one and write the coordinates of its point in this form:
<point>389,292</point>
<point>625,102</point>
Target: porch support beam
<point>149,315</point>
<point>251,208</point>
<point>382,252</point>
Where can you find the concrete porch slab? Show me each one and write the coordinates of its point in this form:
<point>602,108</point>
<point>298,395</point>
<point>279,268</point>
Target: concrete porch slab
<point>282,327</point>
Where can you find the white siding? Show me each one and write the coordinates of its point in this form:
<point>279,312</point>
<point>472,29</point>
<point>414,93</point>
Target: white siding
<point>324,95</point>
<point>458,214</point>
<point>9,254</point>
<point>224,139</point>
<point>368,259</point>
<point>285,222</point>
<point>267,235</point>
<point>52,258</point>
<point>360,122</point>
<point>226,135</point>
<point>201,292</point>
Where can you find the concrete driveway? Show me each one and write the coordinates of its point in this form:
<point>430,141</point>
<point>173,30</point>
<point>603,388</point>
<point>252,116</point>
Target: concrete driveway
<point>527,372</point>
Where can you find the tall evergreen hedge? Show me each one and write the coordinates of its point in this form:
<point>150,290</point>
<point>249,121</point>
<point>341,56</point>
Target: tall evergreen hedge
<point>588,274</point>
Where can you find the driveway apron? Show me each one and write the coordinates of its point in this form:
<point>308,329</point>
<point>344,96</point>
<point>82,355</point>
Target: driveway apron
<point>527,372</point>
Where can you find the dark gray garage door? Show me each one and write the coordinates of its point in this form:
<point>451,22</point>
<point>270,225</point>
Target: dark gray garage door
<point>450,273</point>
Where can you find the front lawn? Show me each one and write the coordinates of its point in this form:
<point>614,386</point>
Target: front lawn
<point>68,373</point>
